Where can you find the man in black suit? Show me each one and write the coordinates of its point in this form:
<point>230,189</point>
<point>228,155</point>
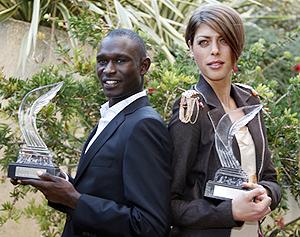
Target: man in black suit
<point>122,185</point>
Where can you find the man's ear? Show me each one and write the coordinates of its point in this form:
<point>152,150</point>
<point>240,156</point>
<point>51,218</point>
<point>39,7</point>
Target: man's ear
<point>145,65</point>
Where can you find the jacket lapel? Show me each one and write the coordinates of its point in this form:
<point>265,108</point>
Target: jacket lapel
<point>107,132</point>
<point>97,144</point>
<point>85,145</point>
<point>254,128</point>
<point>216,110</point>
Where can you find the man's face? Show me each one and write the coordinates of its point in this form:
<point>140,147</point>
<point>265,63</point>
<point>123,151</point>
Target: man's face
<point>119,68</point>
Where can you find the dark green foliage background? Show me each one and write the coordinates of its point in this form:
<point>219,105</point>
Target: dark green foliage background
<point>266,65</point>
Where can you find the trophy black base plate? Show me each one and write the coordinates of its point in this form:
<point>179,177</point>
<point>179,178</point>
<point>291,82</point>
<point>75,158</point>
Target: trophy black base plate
<point>29,171</point>
<point>221,191</point>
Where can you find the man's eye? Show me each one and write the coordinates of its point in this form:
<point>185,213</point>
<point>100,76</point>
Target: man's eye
<point>203,43</point>
<point>120,60</point>
<point>102,62</point>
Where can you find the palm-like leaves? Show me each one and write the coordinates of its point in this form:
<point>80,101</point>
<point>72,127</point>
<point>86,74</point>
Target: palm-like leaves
<point>162,20</point>
<point>8,12</point>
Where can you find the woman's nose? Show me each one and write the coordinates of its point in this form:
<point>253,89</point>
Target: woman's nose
<point>215,48</point>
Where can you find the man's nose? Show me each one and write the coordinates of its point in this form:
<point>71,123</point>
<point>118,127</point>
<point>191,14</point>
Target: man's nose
<point>215,48</point>
<point>109,68</point>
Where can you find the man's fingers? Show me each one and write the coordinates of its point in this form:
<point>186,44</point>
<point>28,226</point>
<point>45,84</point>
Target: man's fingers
<point>32,182</point>
<point>15,181</point>
<point>46,176</point>
<point>43,182</point>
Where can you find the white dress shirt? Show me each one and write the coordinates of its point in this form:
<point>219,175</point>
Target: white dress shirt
<point>108,113</point>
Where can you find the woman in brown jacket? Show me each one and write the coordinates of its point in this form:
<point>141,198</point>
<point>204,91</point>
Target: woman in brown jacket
<point>215,36</point>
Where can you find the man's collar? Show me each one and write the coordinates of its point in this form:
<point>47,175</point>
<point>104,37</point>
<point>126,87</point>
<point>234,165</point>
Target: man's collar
<point>118,107</point>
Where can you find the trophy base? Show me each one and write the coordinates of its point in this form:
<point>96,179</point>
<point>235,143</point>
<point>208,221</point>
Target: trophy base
<point>29,171</point>
<point>222,191</point>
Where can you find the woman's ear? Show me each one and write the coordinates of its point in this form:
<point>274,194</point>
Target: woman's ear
<point>145,65</point>
<point>190,45</point>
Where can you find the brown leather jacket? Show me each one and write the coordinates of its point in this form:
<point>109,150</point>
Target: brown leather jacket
<point>195,161</point>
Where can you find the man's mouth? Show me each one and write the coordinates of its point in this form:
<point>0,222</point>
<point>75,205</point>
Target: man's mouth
<point>110,82</point>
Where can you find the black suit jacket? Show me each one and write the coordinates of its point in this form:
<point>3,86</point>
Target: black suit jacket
<point>124,178</point>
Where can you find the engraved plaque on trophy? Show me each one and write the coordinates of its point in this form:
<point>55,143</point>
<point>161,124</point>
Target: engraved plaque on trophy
<point>228,180</point>
<point>34,155</point>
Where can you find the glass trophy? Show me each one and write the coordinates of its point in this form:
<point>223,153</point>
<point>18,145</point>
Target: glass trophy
<point>34,155</point>
<point>228,180</point>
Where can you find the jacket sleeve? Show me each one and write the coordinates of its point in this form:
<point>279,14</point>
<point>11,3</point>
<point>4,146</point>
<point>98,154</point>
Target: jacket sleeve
<point>198,213</point>
<point>146,176</point>
<point>268,176</point>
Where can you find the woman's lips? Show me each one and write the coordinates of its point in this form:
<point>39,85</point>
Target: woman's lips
<point>215,64</point>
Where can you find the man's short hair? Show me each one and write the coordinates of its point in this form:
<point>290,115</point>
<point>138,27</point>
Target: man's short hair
<point>131,35</point>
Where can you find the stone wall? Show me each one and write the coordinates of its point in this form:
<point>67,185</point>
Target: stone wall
<point>12,33</point>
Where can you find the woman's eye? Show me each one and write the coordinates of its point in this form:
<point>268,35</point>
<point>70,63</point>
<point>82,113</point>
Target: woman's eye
<point>223,41</point>
<point>203,43</point>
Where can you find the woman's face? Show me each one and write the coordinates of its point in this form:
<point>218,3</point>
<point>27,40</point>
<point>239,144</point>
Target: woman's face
<point>212,54</point>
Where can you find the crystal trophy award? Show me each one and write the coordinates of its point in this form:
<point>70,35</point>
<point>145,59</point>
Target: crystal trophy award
<point>228,180</point>
<point>34,155</point>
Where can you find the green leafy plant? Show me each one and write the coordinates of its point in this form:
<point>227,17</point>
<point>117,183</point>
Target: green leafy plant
<point>65,122</point>
<point>63,125</point>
